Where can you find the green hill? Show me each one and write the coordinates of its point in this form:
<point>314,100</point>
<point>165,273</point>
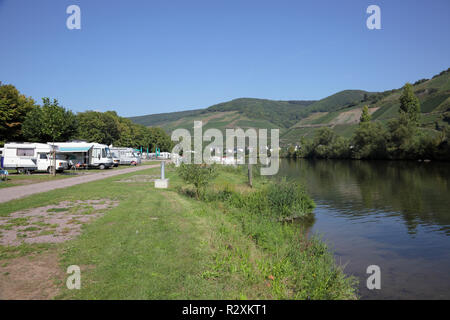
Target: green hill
<point>434,96</point>
<point>243,113</point>
<point>340,111</point>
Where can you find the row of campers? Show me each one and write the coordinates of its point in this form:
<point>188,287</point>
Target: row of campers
<point>29,157</point>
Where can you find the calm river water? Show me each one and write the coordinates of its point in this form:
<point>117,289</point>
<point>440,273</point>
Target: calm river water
<point>392,214</point>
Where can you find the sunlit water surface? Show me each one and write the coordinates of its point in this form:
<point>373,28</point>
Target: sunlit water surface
<point>392,214</point>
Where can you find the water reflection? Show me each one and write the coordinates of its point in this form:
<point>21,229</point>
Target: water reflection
<point>418,192</point>
<point>392,214</point>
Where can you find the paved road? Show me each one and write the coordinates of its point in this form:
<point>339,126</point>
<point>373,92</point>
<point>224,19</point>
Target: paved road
<point>7,194</point>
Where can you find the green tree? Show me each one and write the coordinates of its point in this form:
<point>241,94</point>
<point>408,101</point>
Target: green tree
<point>101,127</point>
<point>324,136</point>
<point>32,129</point>
<point>13,110</point>
<point>340,149</point>
<point>51,122</point>
<point>401,137</point>
<point>160,139</point>
<point>291,152</point>
<point>446,117</point>
<point>126,135</point>
<point>365,115</point>
<point>410,104</point>
<point>369,141</point>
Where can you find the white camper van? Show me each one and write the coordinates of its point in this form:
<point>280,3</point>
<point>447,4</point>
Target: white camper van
<point>86,154</point>
<point>126,156</point>
<point>29,157</point>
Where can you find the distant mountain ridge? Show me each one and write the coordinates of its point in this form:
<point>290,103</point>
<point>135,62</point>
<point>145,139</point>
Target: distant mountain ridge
<point>297,118</point>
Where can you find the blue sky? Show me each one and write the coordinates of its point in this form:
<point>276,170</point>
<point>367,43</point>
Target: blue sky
<point>143,56</point>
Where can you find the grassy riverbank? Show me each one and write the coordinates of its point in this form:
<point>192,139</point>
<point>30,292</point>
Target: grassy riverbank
<point>164,244</point>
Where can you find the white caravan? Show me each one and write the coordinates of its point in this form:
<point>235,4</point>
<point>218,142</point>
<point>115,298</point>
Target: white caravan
<point>86,154</point>
<point>126,156</point>
<point>29,157</point>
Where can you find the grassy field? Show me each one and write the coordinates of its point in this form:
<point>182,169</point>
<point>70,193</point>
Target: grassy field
<point>162,244</point>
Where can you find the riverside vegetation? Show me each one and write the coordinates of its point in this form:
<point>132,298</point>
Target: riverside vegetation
<point>401,138</point>
<point>228,243</point>
<point>298,267</point>
<point>339,112</point>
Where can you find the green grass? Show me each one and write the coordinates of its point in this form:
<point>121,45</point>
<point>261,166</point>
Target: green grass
<point>15,179</point>
<point>161,244</point>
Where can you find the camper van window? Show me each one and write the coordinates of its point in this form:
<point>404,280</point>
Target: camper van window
<point>25,152</point>
<point>108,153</point>
<point>42,156</point>
<point>103,153</point>
<point>96,153</point>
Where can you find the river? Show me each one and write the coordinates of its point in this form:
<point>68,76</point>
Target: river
<point>395,215</point>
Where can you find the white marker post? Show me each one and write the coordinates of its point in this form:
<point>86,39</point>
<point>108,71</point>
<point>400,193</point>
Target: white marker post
<point>162,183</point>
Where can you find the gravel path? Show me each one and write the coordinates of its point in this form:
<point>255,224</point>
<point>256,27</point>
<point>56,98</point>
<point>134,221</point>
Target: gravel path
<point>7,194</point>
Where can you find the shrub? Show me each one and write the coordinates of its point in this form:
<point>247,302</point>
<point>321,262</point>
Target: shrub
<point>287,199</point>
<point>197,175</point>
<point>282,199</point>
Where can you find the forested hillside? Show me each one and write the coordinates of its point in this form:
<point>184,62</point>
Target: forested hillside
<point>296,119</point>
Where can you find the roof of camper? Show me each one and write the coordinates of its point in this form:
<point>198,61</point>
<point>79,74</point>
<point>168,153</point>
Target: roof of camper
<point>78,146</point>
<point>74,146</point>
<point>27,145</point>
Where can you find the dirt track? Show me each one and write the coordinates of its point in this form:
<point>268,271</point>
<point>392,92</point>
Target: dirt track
<point>7,194</point>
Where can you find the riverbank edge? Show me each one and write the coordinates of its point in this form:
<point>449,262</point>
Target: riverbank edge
<point>236,262</point>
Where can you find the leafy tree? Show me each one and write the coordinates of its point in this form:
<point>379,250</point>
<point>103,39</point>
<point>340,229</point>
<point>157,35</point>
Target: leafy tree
<point>340,149</point>
<point>324,136</point>
<point>365,115</point>
<point>101,127</point>
<point>446,117</point>
<point>136,135</point>
<point>410,104</point>
<point>158,138</point>
<point>327,145</point>
<point>443,148</point>
<point>401,137</point>
<point>369,141</point>
<point>126,137</point>
<point>13,110</point>
<point>291,152</point>
<point>32,130</point>
<point>51,122</point>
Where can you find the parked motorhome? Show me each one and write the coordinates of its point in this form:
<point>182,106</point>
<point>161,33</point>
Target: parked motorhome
<point>126,156</point>
<point>29,157</point>
<point>86,154</point>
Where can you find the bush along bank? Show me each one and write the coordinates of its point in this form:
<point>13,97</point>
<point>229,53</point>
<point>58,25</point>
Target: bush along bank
<point>294,266</point>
